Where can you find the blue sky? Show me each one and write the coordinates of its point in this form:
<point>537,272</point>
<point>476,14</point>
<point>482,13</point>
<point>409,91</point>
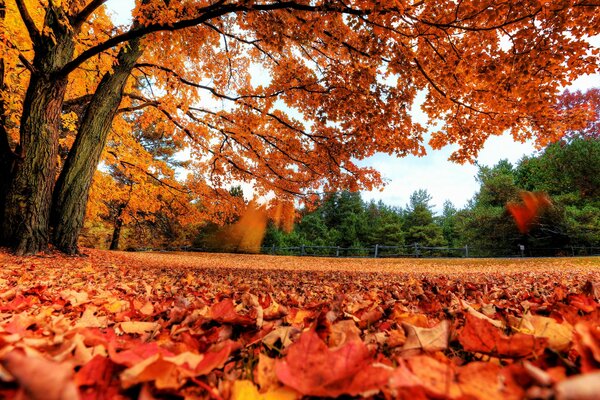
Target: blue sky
<point>443,179</point>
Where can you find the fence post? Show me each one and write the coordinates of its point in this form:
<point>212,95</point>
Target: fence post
<point>302,251</point>
<point>376,250</point>
<point>337,251</point>
<point>416,250</point>
<point>466,251</point>
<point>273,250</point>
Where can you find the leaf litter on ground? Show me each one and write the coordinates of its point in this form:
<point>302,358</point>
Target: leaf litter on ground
<point>218,326</point>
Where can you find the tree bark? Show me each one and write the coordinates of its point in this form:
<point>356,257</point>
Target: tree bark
<point>73,185</point>
<point>116,237</point>
<point>27,206</point>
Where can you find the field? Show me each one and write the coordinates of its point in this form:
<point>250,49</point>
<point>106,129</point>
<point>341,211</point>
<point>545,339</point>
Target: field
<point>195,326</point>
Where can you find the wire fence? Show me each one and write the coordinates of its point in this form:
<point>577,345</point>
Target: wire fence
<point>417,251</point>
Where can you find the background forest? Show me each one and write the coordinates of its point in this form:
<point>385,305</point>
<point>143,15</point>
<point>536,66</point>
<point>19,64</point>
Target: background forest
<point>568,171</point>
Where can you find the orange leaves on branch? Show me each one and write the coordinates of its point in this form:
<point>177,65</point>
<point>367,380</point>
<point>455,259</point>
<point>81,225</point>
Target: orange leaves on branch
<point>526,213</point>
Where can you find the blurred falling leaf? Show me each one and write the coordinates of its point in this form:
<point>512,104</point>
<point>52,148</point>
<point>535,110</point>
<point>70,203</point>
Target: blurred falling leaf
<point>525,214</point>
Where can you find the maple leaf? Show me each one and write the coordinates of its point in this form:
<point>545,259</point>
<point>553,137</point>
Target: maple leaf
<point>312,369</point>
<point>479,335</point>
<point>225,313</point>
<point>587,344</point>
<point>426,339</point>
<point>171,372</point>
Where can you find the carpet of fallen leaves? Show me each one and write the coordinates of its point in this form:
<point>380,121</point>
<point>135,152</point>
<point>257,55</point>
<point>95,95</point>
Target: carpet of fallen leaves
<point>208,326</point>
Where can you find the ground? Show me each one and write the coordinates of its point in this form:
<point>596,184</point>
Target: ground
<point>163,325</point>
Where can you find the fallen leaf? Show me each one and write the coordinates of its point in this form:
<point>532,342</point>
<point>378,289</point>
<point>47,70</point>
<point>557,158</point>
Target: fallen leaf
<point>312,369</point>
<point>41,378</point>
<point>559,336</point>
<point>582,387</point>
<point>426,339</point>
<point>138,327</point>
<point>480,336</point>
<point>245,390</point>
<point>224,312</point>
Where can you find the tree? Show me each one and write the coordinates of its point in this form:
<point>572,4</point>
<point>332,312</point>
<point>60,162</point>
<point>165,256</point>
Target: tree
<point>351,70</point>
<point>419,221</point>
<point>448,224</point>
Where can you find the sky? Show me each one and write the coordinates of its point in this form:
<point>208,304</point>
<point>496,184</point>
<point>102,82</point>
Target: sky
<point>444,180</point>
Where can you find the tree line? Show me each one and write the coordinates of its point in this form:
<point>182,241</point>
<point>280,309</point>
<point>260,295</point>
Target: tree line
<point>568,171</point>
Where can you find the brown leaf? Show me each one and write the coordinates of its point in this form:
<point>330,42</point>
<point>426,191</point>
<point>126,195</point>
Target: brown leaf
<point>426,339</point>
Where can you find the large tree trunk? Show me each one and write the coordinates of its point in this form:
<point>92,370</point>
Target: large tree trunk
<point>73,185</point>
<point>27,206</point>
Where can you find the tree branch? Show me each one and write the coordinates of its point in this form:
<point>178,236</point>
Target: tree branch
<point>84,14</point>
<point>206,14</point>
<point>33,31</point>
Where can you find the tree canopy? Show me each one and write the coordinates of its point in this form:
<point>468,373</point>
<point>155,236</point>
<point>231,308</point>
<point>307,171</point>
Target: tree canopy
<point>341,78</point>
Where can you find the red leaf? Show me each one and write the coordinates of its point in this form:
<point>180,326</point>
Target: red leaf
<point>313,369</point>
<point>224,312</point>
<point>136,354</point>
<point>524,214</point>
<point>479,335</point>
<point>97,379</point>
<point>583,302</point>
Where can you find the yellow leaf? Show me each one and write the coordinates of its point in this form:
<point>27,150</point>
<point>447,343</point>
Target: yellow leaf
<point>559,335</point>
<point>138,327</point>
<point>245,390</point>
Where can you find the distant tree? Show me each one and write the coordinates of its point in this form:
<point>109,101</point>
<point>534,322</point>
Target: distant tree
<point>385,225</point>
<point>448,223</point>
<point>419,221</point>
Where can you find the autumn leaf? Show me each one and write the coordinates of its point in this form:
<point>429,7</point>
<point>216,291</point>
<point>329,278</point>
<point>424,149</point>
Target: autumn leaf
<point>171,372</point>
<point>312,369</point>
<point>426,339</point>
<point>40,378</point>
<point>480,336</point>
<point>524,214</point>
<point>245,390</point>
<point>225,313</point>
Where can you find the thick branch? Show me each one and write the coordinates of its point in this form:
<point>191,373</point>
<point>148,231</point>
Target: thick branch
<point>33,31</point>
<point>84,14</point>
<point>205,14</point>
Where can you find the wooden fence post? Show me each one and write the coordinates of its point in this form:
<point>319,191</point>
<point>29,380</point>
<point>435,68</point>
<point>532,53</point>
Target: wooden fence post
<point>376,250</point>
<point>466,251</point>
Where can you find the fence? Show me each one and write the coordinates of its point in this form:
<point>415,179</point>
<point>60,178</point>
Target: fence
<point>417,251</point>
